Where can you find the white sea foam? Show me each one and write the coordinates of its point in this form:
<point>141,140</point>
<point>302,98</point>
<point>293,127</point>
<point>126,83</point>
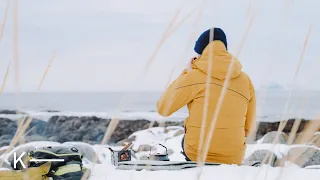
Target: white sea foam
<point>152,116</point>
<point>127,115</point>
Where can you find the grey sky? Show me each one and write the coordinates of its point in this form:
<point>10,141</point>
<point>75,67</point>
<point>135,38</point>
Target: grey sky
<point>104,45</point>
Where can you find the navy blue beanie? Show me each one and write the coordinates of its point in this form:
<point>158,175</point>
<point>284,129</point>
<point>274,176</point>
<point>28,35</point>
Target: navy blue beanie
<point>204,39</point>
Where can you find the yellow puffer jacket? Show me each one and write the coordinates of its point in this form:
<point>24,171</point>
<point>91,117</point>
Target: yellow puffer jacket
<point>237,114</point>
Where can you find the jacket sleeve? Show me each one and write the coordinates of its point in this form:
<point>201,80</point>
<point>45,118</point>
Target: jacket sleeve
<point>180,93</point>
<point>250,124</point>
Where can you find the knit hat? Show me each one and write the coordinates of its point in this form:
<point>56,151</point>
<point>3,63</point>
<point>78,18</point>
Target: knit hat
<point>203,40</point>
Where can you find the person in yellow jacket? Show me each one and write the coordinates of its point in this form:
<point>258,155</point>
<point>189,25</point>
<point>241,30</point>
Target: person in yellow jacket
<point>236,118</point>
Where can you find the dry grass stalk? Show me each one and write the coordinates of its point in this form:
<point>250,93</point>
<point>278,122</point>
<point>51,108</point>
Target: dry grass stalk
<point>4,20</point>
<point>206,100</point>
<point>5,79</point>
<point>46,72</point>
<point>151,124</point>
<point>294,131</point>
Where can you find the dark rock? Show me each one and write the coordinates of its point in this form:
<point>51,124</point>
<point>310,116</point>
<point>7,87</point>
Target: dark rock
<point>92,129</point>
<point>50,111</point>
<point>99,137</point>
<point>37,127</point>
<point>76,128</point>
<point>9,112</point>
<point>7,127</point>
<point>5,142</point>
<point>168,123</point>
<point>6,137</point>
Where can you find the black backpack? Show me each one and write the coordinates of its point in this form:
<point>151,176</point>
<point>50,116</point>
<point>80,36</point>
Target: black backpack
<point>67,164</point>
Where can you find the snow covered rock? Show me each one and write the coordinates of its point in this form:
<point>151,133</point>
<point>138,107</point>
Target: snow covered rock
<point>149,139</point>
<point>270,137</point>
<point>179,132</point>
<point>34,138</point>
<point>145,139</point>
<point>259,156</point>
<point>304,155</point>
<point>144,147</point>
<point>313,167</point>
<point>4,149</point>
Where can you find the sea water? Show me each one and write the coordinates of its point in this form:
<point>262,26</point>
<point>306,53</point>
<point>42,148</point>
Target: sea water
<point>271,105</point>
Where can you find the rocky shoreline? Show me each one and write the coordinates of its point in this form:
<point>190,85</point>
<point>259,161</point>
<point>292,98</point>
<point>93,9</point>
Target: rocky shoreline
<point>91,129</point>
<point>71,128</point>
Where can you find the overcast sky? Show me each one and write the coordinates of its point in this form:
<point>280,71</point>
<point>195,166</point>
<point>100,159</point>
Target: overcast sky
<point>104,45</point>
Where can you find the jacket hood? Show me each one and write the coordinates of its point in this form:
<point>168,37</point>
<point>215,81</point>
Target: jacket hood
<point>220,61</point>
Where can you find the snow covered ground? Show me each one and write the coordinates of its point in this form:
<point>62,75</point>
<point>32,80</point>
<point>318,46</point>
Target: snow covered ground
<point>168,137</point>
<point>224,172</point>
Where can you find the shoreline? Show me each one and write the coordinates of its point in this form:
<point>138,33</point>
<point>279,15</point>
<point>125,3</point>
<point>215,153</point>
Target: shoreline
<point>91,129</point>
<point>152,116</point>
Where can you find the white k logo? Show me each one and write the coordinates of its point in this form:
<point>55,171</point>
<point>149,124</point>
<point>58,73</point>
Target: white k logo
<point>15,160</point>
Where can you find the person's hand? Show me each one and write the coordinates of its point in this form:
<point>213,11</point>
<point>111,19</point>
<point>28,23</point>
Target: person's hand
<point>189,65</point>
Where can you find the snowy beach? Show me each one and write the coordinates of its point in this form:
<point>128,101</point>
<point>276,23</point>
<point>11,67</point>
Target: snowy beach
<point>147,138</point>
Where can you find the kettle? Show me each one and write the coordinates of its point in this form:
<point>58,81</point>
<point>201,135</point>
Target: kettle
<point>158,156</point>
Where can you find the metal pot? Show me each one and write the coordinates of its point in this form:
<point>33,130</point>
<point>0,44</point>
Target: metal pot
<point>159,156</point>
